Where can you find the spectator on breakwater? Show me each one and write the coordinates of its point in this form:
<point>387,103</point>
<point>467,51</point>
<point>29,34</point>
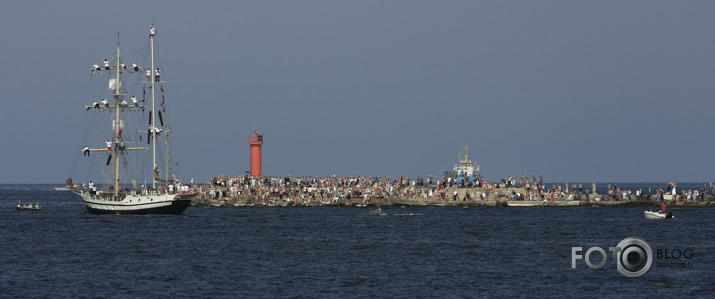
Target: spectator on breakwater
<point>358,190</point>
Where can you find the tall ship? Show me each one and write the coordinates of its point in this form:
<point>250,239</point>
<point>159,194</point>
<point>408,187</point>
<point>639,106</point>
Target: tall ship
<point>129,166</point>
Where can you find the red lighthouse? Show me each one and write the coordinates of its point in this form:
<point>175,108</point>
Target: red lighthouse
<point>255,141</point>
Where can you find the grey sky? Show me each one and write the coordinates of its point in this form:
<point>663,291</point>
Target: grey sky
<point>574,90</point>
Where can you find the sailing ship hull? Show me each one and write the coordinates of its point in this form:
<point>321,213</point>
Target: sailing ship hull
<point>174,207</point>
<point>139,205</point>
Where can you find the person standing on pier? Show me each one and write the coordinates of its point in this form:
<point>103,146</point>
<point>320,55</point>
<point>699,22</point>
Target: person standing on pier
<point>593,188</point>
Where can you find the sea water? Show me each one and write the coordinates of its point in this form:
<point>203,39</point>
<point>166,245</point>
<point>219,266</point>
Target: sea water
<point>64,252</point>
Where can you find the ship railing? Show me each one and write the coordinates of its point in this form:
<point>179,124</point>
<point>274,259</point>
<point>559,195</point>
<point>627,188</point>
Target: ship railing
<point>147,192</point>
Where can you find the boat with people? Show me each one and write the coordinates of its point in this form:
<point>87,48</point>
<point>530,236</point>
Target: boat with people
<point>128,172</point>
<point>378,212</point>
<point>28,206</point>
<point>662,214</point>
<point>658,215</point>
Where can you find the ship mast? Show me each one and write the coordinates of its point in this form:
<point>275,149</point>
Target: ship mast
<point>115,148</point>
<point>153,109</point>
<point>116,144</point>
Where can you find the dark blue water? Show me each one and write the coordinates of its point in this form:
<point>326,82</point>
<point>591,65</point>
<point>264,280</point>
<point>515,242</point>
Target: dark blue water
<point>330,252</point>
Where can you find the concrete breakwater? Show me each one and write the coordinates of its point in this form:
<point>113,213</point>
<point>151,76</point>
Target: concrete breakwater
<point>447,197</point>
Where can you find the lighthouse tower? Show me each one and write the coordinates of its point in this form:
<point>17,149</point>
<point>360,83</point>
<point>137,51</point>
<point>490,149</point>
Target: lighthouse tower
<point>255,141</point>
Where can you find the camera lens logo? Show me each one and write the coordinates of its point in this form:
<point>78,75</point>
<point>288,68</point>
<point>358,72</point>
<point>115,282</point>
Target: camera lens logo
<point>634,258</point>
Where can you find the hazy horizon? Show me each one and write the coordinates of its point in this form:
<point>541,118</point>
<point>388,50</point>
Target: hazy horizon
<point>576,91</point>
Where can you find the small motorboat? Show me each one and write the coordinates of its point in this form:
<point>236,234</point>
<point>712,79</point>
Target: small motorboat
<point>378,212</point>
<point>29,208</point>
<point>658,215</point>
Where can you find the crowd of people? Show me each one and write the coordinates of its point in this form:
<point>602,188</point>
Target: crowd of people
<point>360,189</point>
<point>693,195</point>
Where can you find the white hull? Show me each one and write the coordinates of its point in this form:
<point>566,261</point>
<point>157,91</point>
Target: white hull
<point>524,203</point>
<point>655,215</point>
<point>147,203</point>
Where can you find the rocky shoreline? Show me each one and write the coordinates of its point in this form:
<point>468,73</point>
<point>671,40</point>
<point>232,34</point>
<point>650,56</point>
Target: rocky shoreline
<point>464,197</point>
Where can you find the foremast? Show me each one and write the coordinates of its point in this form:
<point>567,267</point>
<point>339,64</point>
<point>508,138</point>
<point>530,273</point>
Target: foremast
<point>117,144</point>
<point>152,126</point>
<point>117,122</point>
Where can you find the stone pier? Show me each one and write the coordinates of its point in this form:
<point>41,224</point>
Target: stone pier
<point>466,197</point>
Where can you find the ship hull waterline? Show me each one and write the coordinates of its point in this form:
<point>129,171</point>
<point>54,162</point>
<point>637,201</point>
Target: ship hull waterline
<point>174,207</point>
<point>171,205</point>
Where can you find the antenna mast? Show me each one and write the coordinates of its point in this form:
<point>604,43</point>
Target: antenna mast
<point>466,154</point>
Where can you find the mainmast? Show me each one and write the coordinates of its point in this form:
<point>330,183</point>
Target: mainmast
<point>153,108</point>
<point>115,147</point>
